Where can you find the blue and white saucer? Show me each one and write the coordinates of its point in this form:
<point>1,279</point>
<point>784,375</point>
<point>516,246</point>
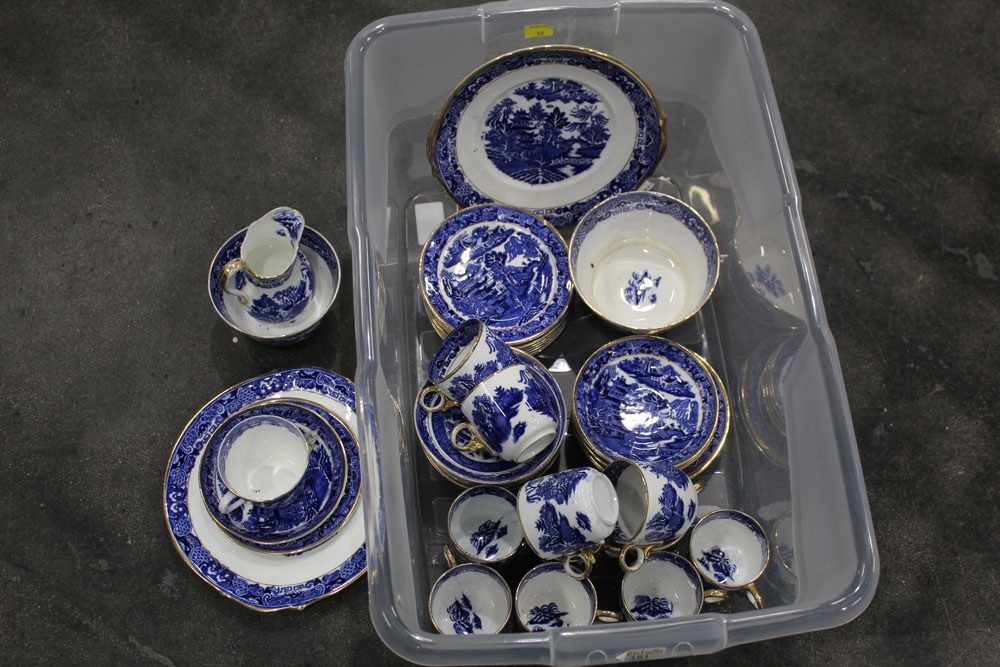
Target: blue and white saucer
<point>261,581</point>
<point>711,453</point>
<point>482,467</point>
<point>500,265</point>
<point>645,399</point>
<point>326,267</point>
<point>552,129</point>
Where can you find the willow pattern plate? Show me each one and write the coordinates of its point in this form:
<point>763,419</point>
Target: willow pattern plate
<point>551,129</point>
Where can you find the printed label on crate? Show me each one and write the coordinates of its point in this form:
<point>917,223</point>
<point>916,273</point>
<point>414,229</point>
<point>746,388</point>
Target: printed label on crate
<point>538,30</point>
<point>635,654</point>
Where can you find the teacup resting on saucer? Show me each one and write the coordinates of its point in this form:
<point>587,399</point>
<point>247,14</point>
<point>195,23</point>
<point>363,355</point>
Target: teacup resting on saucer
<point>272,277</point>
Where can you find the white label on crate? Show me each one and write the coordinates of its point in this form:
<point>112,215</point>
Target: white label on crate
<point>635,654</point>
<point>429,216</point>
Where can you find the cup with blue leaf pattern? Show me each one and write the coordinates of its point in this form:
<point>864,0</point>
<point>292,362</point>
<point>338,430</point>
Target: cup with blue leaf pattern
<point>483,525</point>
<point>272,278</point>
<point>547,597</point>
<point>567,516</point>
<point>466,357</point>
<point>657,504</point>
<point>469,599</point>
<point>730,550</point>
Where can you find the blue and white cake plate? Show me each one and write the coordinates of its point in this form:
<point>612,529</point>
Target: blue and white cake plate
<point>481,467</point>
<point>500,265</point>
<point>261,581</point>
<point>645,399</point>
<point>326,267</point>
<point>551,129</point>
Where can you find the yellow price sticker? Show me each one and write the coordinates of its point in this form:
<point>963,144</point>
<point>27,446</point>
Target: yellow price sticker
<point>538,30</point>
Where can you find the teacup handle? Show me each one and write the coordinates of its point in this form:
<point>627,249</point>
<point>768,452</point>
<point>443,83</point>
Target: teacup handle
<point>754,596</point>
<point>713,595</point>
<point>450,557</point>
<point>642,553</point>
<point>226,504</point>
<point>475,442</point>
<point>585,559</point>
<point>699,486</point>
<point>228,271</point>
<point>442,400</point>
<point>606,616</point>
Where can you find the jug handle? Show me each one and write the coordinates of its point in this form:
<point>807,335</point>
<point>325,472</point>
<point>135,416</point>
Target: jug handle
<point>227,271</point>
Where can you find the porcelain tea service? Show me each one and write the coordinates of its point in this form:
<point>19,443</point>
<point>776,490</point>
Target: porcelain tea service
<point>469,599</point>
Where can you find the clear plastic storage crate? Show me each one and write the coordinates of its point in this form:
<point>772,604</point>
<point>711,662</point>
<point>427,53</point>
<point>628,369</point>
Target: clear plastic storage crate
<point>790,460</point>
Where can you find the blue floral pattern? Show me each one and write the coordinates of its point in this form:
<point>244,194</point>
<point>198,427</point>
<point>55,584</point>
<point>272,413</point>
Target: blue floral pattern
<point>645,607</point>
<point>464,620</point>
<point>555,488</point>
<point>546,131</point>
<point>529,157</point>
<point>764,276</point>
<point>503,266</point>
<point>182,461</point>
<point>546,616</point>
<point>486,535</point>
<point>495,415</point>
<point>716,563</point>
<point>641,288</point>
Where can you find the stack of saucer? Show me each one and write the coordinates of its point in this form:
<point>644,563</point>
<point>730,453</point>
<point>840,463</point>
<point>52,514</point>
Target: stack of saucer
<point>262,493</point>
<point>646,399</point>
<point>761,406</point>
<point>500,265</point>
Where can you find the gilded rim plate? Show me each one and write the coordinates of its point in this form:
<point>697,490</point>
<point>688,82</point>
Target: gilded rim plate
<point>552,129</point>
<point>260,581</point>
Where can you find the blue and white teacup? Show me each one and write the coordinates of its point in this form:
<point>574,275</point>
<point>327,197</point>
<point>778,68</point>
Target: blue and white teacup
<point>547,598</point>
<point>666,586</point>
<point>511,413</point>
<point>469,599</point>
<point>730,550</point>
<point>483,525</point>
<point>657,504</point>
<point>272,277</point>
<point>466,357</point>
<point>266,480</point>
<point>568,515</point>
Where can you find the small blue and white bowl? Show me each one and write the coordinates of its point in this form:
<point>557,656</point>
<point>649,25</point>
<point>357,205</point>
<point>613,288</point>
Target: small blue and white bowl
<point>656,506</point>
<point>666,586</point>
<point>548,598</point>
<point>568,515</point>
<point>265,481</point>
<point>645,399</point>
<point>644,261</point>
<point>321,257</point>
<point>483,525</point>
<point>730,550</point>
<point>470,599</point>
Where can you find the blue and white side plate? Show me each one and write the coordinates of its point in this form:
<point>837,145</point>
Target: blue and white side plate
<point>711,453</point>
<point>500,265</point>
<point>551,129</point>
<point>260,581</point>
<point>482,467</point>
<point>645,399</point>
<point>326,269</point>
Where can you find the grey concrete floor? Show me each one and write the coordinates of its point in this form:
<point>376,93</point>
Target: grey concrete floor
<point>138,136</point>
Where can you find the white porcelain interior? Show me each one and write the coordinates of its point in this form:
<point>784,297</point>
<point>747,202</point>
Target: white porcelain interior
<point>475,516</point>
<point>539,429</point>
<point>741,545</point>
<point>324,291</point>
<point>496,185</point>
<point>486,592</point>
<point>660,580</point>
<point>642,268</point>
<point>571,597</point>
<point>271,569</point>
<point>268,249</point>
<point>632,501</point>
<point>263,458</point>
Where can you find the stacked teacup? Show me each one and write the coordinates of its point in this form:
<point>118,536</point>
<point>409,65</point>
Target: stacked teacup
<point>275,476</point>
<point>510,411</point>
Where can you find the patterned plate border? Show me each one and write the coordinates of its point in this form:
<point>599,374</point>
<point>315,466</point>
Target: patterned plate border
<point>651,135</point>
<point>430,284</point>
<point>175,494</point>
<point>673,352</point>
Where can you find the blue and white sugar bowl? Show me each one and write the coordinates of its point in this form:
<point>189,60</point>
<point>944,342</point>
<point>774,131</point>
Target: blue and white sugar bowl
<point>567,515</point>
